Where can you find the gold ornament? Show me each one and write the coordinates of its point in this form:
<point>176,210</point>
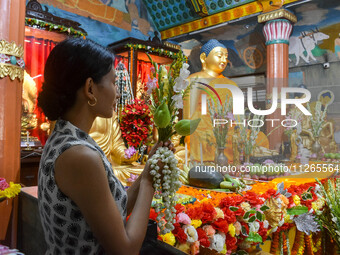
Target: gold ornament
<point>273,215</point>
<point>13,71</point>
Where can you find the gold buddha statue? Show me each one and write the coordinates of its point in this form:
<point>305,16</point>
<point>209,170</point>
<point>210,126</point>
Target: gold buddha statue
<point>294,145</point>
<point>214,60</point>
<point>29,96</point>
<point>107,134</point>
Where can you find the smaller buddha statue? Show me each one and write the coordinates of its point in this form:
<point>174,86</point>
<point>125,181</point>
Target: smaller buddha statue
<point>236,146</point>
<point>326,137</point>
<point>294,145</point>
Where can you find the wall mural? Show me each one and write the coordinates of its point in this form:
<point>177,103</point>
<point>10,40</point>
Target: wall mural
<point>315,39</point>
<point>106,21</point>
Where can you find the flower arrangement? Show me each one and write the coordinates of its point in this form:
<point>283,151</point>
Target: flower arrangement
<point>318,118</point>
<point>53,27</point>
<point>159,51</point>
<point>167,87</point>
<point>8,190</point>
<point>219,111</point>
<point>136,124</point>
<point>248,137</point>
<point>231,223</point>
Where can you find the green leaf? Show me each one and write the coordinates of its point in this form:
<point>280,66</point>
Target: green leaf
<point>297,210</point>
<point>254,237</point>
<point>310,188</point>
<point>264,208</point>
<point>233,208</point>
<point>244,231</point>
<point>252,219</point>
<point>246,215</point>
<point>306,196</point>
<point>259,216</point>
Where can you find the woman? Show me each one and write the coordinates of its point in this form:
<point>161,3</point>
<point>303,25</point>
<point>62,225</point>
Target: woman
<point>82,204</point>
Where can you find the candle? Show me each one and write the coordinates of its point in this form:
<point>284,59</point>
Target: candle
<point>28,137</point>
<point>201,151</point>
<point>186,154</point>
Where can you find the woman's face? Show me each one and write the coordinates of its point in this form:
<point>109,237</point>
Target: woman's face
<point>108,95</point>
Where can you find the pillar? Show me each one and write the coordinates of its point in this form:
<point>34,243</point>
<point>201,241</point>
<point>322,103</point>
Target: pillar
<point>12,27</point>
<point>277,30</point>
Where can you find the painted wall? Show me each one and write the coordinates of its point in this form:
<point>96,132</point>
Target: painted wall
<point>315,39</point>
<point>106,21</point>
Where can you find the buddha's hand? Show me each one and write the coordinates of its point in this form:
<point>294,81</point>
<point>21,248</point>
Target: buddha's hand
<point>146,172</point>
<point>127,161</point>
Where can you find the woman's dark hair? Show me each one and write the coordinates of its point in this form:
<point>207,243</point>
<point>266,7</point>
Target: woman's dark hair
<point>67,67</point>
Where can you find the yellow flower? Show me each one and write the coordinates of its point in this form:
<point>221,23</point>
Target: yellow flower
<point>296,200</point>
<point>224,251</point>
<point>169,238</point>
<point>219,212</point>
<point>11,191</point>
<point>245,206</point>
<point>232,230</point>
<point>196,223</point>
<point>288,219</point>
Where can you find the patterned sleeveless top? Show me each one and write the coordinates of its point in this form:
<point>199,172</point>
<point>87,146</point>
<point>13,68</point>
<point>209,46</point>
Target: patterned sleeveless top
<point>66,231</point>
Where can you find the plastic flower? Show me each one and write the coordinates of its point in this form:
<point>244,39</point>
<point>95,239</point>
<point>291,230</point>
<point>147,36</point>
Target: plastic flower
<point>217,242</point>
<point>238,227</point>
<point>11,191</point>
<point>297,200</point>
<point>209,230</point>
<point>3,184</point>
<point>183,218</point>
<point>169,238</point>
<point>191,232</point>
<point>232,230</point>
<point>220,213</point>
<point>196,223</point>
<point>195,248</point>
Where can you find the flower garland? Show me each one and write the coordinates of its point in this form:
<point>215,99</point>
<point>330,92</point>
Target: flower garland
<point>167,87</point>
<point>8,190</point>
<point>53,27</point>
<point>136,123</point>
<point>159,51</point>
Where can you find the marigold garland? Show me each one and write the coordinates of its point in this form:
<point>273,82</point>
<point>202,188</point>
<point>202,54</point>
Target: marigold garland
<point>12,191</point>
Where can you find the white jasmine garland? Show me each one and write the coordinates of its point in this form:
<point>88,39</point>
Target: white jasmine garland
<point>166,184</point>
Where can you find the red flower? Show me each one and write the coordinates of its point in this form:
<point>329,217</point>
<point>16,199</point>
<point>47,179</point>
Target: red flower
<point>208,212</point>
<point>179,233</point>
<point>231,243</point>
<point>221,225</point>
<point>202,237</point>
<point>179,208</point>
<point>229,215</point>
<point>153,215</point>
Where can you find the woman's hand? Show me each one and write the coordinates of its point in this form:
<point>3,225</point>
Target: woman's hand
<point>146,172</point>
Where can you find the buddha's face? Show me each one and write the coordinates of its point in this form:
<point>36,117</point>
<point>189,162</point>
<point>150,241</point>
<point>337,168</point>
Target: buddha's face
<point>325,100</point>
<point>217,60</point>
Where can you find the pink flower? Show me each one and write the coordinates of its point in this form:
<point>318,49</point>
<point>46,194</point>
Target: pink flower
<point>195,248</point>
<point>183,218</point>
<point>129,152</point>
<point>230,116</point>
<point>209,230</point>
<point>152,69</point>
<point>3,184</point>
<point>151,84</point>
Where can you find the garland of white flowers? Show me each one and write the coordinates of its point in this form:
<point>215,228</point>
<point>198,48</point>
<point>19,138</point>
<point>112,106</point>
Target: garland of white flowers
<point>166,183</point>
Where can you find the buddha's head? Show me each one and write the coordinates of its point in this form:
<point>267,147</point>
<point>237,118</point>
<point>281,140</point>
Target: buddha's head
<point>214,56</point>
<point>325,98</point>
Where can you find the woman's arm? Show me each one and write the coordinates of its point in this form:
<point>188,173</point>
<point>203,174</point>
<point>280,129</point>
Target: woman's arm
<point>80,174</point>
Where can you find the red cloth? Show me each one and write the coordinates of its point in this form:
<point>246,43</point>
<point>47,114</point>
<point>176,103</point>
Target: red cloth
<point>35,56</point>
